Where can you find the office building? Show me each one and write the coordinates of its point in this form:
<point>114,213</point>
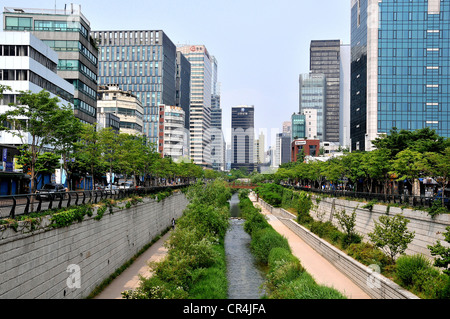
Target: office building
<point>26,64</point>
<point>325,58</point>
<point>313,96</point>
<point>125,105</point>
<point>399,69</point>
<point>200,107</point>
<point>243,137</point>
<point>66,32</point>
<point>143,62</point>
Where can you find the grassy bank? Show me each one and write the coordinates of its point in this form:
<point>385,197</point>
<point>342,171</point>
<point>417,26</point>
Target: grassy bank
<point>195,265</point>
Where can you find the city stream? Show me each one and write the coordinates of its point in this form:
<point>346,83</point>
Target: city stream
<point>244,277</point>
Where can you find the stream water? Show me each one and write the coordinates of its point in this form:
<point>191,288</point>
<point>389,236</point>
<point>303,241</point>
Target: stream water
<point>244,278</point>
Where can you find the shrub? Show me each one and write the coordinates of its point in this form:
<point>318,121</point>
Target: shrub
<point>368,254</point>
<point>264,240</point>
<point>283,267</point>
<point>431,283</point>
<point>408,266</point>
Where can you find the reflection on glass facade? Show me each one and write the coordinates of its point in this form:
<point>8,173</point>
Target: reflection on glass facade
<point>405,46</point>
<point>298,126</point>
<point>313,96</point>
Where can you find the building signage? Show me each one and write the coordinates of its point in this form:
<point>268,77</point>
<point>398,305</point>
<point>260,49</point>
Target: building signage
<point>5,155</point>
<point>300,142</point>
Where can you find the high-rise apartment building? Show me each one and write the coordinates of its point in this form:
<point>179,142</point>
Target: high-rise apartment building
<point>243,137</point>
<point>400,68</point>
<point>143,62</point>
<point>200,109</point>
<point>313,96</point>
<point>66,32</point>
<point>325,59</point>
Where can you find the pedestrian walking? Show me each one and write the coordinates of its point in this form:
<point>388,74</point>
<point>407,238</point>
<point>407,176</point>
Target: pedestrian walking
<point>173,223</point>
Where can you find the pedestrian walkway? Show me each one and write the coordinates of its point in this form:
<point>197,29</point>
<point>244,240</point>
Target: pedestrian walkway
<point>129,279</point>
<point>317,266</point>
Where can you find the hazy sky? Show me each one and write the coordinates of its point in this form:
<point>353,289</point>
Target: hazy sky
<point>262,46</point>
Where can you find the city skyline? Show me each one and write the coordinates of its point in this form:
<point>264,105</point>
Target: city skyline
<point>254,45</point>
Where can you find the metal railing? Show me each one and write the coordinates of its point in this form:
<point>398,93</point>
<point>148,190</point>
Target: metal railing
<point>401,199</point>
<point>16,205</point>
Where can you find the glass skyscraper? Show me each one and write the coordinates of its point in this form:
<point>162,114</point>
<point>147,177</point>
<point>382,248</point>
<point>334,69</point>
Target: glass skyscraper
<point>400,68</point>
<point>143,62</point>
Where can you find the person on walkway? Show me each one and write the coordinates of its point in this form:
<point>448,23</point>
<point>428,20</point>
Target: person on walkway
<point>173,223</point>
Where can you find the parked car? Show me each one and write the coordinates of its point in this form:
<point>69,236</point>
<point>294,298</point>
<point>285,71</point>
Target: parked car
<point>51,191</point>
<point>126,185</point>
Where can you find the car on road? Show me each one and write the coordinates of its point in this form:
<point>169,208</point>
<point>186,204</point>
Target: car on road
<point>51,191</point>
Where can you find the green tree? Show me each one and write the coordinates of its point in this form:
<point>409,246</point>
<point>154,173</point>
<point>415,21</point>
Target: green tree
<point>391,235</point>
<point>67,133</point>
<point>89,152</point>
<point>443,253</point>
<point>439,168</point>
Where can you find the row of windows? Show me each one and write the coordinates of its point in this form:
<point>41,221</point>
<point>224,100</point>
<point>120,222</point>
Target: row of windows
<point>26,50</point>
<point>27,75</point>
<point>123,111</point>
<point>69,46</point>
<point>75,65</point>
<point>131,53</point>
<point>128,70</point>
<point>84,88</point>
<point>85,107</point>
<point>25,24</point>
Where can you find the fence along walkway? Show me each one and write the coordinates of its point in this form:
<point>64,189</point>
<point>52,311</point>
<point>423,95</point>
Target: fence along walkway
<point>322,270</point>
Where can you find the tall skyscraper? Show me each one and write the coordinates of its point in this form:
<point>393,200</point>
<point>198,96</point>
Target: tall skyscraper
<point>143,62</point>
<point>325,59</point>
<point>243,137</point>
<point>313,96</point>
<point>200,110</point>
<point>400,69</point>
<point>66,32</point>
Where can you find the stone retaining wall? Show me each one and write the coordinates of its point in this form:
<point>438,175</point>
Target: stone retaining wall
<point>427,229</point>
<point>70,262</point>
